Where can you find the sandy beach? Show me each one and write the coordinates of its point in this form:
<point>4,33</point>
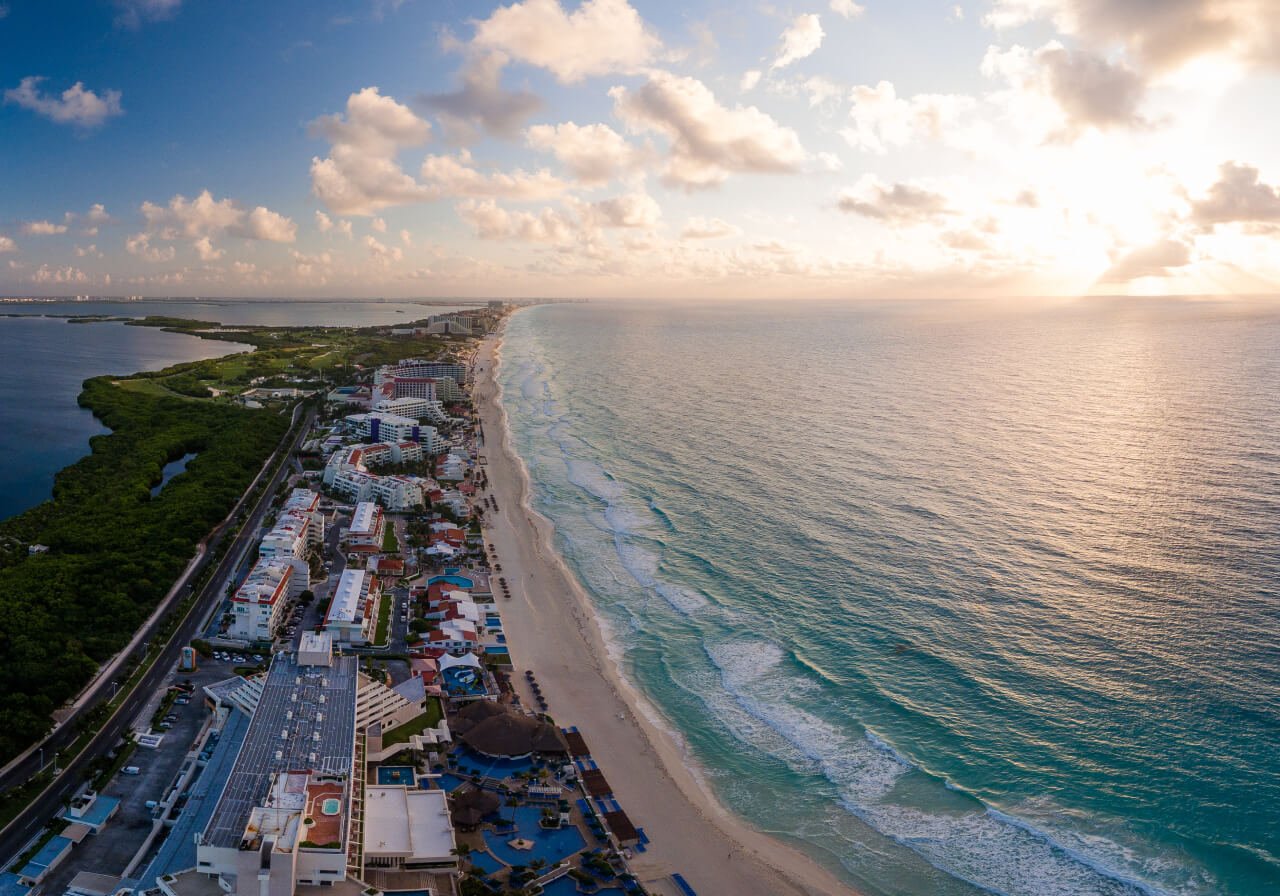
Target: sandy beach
<point>552,629</point>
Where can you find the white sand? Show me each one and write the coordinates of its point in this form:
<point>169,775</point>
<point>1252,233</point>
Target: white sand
<point>550,624</point>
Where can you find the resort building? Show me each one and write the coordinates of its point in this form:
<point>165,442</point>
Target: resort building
<point>413,387</point>
<point>427,369</point>
<point>418,408</point>
<point>353,609</point>
<point>367,525</point>
<point>283,818</point>
<point>379,425</point>
<point>258,605</point>
<point>408,828</point>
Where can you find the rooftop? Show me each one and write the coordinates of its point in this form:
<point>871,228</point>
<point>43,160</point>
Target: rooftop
<point>403,822</point>
<point>305,719</point>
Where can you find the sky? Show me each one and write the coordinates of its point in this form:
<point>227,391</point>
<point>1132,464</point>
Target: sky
<point>557,148</point>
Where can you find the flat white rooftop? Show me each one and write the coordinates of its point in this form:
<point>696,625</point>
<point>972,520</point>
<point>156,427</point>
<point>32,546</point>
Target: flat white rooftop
<point>364,519</point>
<point>346,597</point>
<point>413,824</point>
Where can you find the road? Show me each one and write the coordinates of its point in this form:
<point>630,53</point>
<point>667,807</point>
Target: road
<point>16,835</point>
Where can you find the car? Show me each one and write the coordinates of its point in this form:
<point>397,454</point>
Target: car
<point>165,726</point>
<point>257,657</point>
<point>182,701</point>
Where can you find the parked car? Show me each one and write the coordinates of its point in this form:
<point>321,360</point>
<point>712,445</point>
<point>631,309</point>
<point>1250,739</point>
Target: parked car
<point>130,770</point>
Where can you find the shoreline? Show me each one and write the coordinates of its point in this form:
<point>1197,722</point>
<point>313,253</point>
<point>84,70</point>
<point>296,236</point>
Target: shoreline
<point>690,832</point>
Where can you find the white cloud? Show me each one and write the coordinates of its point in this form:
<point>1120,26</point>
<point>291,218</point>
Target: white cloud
<point>480,104</point>
<point>204,248</point>
<point>1085,90</point>
<point>1156,260</point>
<point>749,80</point>
<point>708,140</point>
<point>492,222</point>
<point>378,225</point>
<point>456,177</point>
<point>634,210</point>
<point>406,237</point>
<point>898,203</point>
<point>43,228</point>
<point>1238,196</point>
<point>699,228</point>
<point>7,244</point>
<point>323,222</point>
<point>800,40</point>
<point>343,227</point>
<point>76,106</point>
<point>847,8</point>
<point>881,119</point>
<point>594,154</point>
<point>140,245</point>
<point>361,174</point>
<point>599,37</point>
<point>381,253</point>
<point>132,13</point>
<point>1163,34</point>
<point>202,220</point>
<point>46,274</point>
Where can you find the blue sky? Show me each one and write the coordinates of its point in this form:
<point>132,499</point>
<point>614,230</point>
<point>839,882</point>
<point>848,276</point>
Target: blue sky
<point>819,148</point>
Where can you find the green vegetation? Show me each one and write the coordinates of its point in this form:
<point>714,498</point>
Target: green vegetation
<point>429,719</point>
<point>390,545</point>
<point>114,550</point>
<point>384,621</point>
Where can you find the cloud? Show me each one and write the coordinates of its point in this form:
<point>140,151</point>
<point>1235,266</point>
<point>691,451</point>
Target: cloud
<point>480,104</point>
<point>77,107</point>
<point>634,210</point>
<point>406,237</point>
<point>708,229</point>
<point>1238,196</point>
<point>381,253</point>
<point>140,245</point>
<point>1164,35</point>
<point>749,80</point>
<point>881,119</point>
<point>708,140</point>
<point>46,274</point>
<point>847,8</point>
<point>492,222</point>
<point>379,225</point>
<point>598,38</point>
<point>800,40</point>
<point>1156,260</point>
<point>94,218</point>
<point>1087,90</point>
<point>361,174</point>
<point>898,203</point>
<point>7,245</point>
<point>323,222</point>
<point>133,13</point>
<point>204,248</point>
<point>43,228</point>
<point>204,219</point>
<point>456,177</point>
<point>594,154</point>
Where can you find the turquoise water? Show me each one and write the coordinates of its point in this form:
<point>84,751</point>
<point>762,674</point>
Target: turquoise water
<point>955,598</point>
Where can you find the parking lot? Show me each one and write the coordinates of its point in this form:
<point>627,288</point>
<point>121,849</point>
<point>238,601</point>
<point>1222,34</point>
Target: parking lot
<point>109,851</point>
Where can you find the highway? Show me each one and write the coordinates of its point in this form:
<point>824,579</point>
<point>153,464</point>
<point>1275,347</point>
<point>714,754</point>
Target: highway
<point>16,835</point>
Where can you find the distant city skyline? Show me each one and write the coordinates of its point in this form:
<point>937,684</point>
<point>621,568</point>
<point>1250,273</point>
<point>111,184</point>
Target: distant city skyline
<point>831,148</point>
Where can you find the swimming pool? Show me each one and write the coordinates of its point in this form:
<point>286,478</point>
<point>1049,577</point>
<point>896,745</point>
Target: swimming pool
<point>331,806</point>
<point>389,775</point>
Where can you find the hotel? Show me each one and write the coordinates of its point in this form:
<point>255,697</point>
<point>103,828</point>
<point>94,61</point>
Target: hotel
<point>258,605</point>
<point>353,609</point>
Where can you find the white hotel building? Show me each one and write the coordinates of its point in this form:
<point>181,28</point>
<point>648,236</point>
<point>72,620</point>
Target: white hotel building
<point>416,408</point>
<point>259,604</point>
<point>352,612</point>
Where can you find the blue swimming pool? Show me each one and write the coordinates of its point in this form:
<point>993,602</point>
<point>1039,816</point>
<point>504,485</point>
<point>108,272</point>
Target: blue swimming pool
<point>550,846</point>
<point>445,782</point>
<point>390,775</point>
<point>489,766</point>
<point>485,862</point>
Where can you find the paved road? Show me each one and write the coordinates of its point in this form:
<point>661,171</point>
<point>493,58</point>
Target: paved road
<point>16,835</point>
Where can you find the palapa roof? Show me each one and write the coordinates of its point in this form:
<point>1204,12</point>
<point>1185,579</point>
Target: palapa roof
<point>594,781</point>
<point>468,805</point>
<point>495,730</point>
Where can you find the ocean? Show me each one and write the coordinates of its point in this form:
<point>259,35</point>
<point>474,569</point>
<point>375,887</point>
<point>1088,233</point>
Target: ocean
<point>956,598</point>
